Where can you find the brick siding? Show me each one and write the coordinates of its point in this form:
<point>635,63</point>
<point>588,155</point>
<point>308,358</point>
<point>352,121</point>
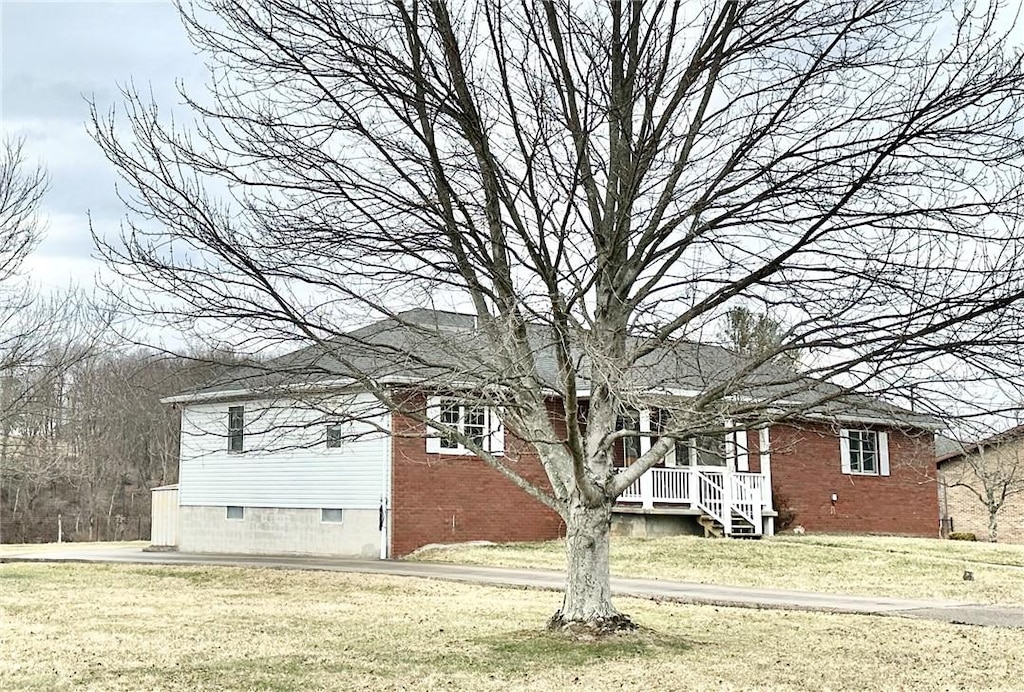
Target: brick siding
<point>440,498</point>
<point>806,471</point>
<point>969,514</point>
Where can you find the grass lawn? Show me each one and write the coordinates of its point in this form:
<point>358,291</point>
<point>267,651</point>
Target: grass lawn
<point>100,627</point>
<point>865,565</point>
<point>84,546</point>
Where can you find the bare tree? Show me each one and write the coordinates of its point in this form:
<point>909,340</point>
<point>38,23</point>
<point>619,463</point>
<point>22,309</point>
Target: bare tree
<point>991,472</point>
<point>90,439</point>
<point>597,182</point>
<point>41,337</point>
<point>20,193</point>
<point>757,335</point>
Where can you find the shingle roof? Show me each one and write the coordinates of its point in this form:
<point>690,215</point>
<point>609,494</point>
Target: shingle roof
<point>435,348</point>
<point>946,451</point>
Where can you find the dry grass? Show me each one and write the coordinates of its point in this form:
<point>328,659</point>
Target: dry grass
<point>865,565</point>
<point>9,549</point>
<point>179,628</point>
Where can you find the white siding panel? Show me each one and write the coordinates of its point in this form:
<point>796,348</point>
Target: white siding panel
<point>286,462</point>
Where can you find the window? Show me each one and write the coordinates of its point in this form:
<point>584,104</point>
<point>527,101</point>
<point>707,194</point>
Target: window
<point>478,423</point>
<point>236,513</point>
<point>236,428</point>
<point>712,449</point>
<point>335,434</point>
<point>864,452</point>
<point>630,444</point>
<point>331,516</point>
<point>708,450</point>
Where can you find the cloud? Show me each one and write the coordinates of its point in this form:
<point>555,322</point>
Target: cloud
<point>54,56</point>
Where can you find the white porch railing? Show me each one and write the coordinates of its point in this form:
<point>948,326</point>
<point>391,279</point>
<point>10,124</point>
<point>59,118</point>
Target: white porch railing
<point>712,489</point>
<point>747,497</point>
<point>713,499</point>
<point>669,486</point>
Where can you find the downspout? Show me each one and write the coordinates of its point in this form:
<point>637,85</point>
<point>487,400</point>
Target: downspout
<point>385,499</point>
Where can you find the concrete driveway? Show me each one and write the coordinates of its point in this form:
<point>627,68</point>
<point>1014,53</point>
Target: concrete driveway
<point>682,592</point>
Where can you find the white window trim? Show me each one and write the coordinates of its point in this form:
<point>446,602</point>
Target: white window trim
<point>882,450</point>
<point>494,437</point>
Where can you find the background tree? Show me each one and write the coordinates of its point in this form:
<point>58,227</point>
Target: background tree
<point>21,191</point>
<point>77,420</point>
<point>90,440</point>
<point>990,471</point>
<point>757,336</point>
<point>597,182</point>
<point>22,334</point>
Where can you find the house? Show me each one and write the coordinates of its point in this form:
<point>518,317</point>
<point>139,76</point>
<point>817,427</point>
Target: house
<point>268,466</point>
<point>977,478</point>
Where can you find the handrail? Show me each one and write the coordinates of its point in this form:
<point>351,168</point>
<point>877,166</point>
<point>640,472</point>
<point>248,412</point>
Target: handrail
<point>747,498</point>
<point>711,496</point>
<point>716,491</point>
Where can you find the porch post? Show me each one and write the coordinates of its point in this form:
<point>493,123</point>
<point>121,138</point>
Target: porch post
<point>766,467</point>
<point>727,502</point>
<point>767,502</point>
<point>647,489</point>
<point>647,479</point>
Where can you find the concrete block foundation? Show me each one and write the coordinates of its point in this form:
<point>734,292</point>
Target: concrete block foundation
<point>655,525</point>
<point>279,531</point>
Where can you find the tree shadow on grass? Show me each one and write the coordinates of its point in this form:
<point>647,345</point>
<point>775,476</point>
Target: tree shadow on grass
<point>533,647</point>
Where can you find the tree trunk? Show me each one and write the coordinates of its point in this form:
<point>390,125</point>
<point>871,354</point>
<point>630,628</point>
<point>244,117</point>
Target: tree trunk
<point>992,526</point>
<point>587,604</point>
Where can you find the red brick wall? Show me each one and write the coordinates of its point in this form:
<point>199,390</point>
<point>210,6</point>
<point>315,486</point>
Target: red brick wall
<point>441,498</point>
<point>806,470</point>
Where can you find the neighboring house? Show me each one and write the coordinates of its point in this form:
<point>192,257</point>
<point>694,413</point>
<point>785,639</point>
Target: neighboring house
<point>981,488</point>
<point>268,474</point>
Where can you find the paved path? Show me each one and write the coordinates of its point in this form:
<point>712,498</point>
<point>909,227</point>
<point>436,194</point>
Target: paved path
<point>945,611</point>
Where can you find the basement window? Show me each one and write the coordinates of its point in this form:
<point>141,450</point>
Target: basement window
<point>331,516</point>
<point>236,513</point>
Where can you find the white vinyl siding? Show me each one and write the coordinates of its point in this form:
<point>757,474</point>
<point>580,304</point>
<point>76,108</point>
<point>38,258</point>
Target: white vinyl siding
<point>286,462</point>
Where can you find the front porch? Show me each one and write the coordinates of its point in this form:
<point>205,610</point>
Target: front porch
<point>725,502</point>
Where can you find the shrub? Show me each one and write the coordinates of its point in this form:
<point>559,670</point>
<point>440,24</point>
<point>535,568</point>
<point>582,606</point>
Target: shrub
<point>962,536</point>
<point>786,514</point>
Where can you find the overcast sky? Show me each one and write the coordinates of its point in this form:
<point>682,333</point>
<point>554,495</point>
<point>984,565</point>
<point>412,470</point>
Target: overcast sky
<point>54,56</point>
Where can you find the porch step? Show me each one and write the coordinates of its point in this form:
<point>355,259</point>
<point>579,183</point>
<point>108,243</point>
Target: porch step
<point>741,528</point>
<point>712,528</point>
<point>740,525</point>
